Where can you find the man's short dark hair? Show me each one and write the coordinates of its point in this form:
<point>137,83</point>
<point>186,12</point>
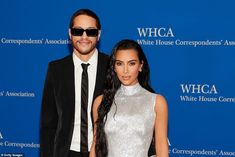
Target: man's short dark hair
<point>85,12</point>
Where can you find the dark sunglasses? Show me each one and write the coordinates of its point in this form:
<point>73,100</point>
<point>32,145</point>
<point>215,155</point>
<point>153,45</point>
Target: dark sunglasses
<point>89,32</point>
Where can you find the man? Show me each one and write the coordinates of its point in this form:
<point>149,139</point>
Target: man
<point>71,85</point>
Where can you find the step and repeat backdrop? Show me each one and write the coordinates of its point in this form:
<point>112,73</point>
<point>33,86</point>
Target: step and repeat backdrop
<point>190,46</point>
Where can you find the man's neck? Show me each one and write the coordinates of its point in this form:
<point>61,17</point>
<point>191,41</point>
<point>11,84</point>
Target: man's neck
<point>84,57</point>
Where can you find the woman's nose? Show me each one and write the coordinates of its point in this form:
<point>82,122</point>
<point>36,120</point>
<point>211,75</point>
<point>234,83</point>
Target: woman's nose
<point>125,69</point>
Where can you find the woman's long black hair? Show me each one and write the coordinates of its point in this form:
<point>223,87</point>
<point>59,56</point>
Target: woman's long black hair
<point>112,84</point>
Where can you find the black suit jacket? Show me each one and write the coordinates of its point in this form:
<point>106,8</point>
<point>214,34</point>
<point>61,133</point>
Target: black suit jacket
<point>58,105</point>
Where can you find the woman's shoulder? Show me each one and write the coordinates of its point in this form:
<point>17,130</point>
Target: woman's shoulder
<point>97,102</point>
<point>99,98</point>
<point>160,102</point>
<point>160,97</point>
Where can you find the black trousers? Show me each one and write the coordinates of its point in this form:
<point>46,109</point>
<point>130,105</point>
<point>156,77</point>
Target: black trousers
<point>78,154</point>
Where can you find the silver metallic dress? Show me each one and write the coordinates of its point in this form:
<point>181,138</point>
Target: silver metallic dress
<point>130,122</point>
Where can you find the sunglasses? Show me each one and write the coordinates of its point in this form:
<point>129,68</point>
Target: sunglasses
<point>89,32</point>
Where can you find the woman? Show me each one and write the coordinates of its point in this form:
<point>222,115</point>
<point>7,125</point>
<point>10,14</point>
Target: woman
<point>128,113</point>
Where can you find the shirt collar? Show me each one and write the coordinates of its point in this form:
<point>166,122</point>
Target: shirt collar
<point>92,61</point>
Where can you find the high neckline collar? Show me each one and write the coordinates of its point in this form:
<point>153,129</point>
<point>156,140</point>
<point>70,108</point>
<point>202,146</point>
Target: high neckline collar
<point>130,90</point>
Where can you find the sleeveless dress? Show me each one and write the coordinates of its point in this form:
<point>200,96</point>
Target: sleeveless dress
<point>130,122</point>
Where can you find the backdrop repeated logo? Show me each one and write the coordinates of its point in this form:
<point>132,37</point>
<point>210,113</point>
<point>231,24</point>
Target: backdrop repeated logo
<point>203,93</point>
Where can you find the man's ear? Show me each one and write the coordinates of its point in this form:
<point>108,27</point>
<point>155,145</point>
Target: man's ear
<point>99,35</point>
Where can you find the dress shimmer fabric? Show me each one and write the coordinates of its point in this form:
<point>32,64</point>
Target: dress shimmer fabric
<point>130,122</point>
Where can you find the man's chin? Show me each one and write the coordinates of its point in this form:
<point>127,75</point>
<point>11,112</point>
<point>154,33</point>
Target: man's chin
<point>84,52</point>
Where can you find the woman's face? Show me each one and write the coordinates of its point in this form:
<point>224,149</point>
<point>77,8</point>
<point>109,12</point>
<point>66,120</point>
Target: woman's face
<point>127,66</point>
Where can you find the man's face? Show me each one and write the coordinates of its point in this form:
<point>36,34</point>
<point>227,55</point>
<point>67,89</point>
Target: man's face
<point>83,44</point>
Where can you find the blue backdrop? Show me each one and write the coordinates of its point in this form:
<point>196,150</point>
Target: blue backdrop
<point>189,44</point>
